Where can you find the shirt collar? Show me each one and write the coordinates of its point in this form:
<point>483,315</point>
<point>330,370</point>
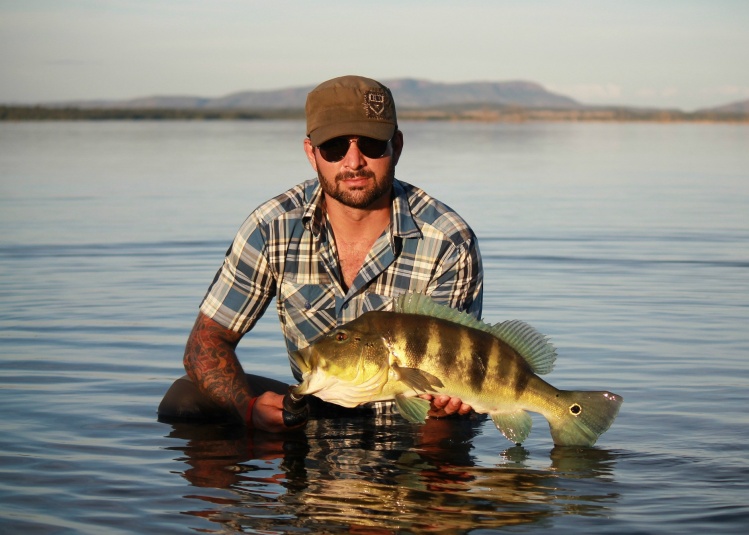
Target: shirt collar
<point>313,216</point>
<point>402,220</point>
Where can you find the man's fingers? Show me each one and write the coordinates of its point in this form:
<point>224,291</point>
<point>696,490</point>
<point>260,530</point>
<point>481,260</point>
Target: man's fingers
<point>444,405</point>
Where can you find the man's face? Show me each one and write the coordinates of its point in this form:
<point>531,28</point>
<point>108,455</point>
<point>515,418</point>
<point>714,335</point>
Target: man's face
<point>357,180</point>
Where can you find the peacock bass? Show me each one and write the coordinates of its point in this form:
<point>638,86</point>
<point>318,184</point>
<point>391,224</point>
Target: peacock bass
<point>424,347</point>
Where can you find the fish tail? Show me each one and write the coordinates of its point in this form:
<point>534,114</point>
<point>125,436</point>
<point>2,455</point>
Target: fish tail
<point>584,417</point>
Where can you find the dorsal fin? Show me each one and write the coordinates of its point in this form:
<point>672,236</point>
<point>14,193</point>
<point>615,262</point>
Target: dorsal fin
<point>422,304</point>
<point>530,344</point>
<point>533,346</point>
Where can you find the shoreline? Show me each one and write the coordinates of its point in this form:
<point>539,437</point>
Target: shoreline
<point>463,114</point>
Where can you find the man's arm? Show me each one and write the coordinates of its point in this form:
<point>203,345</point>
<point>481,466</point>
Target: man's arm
<point>211,362</point>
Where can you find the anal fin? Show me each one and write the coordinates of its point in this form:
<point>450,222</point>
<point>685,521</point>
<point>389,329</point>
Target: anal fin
<point>515,426</point>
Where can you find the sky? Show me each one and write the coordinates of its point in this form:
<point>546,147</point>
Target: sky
<point>684,54</point>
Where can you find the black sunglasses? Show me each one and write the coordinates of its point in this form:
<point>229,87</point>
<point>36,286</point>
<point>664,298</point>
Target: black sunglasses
<point>334,150</point>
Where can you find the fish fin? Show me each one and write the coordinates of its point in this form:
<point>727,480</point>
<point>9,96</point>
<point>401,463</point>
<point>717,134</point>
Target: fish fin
<point>530,344</point>
<point>423,305</point>
<point>586,417</point>
<point>417,379</point>
<point>515,426</point>
<point>412,409</point>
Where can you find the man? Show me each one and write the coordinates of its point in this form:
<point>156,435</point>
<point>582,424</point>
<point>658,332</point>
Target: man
<point>329,250</point>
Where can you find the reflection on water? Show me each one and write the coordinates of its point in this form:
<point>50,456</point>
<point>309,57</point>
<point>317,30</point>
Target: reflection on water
<point>375,478</point>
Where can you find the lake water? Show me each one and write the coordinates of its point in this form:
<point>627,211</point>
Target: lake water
<point>628,244</point>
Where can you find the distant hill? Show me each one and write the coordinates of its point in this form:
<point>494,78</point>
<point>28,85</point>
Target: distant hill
<point>734,108</point>
<point>511,101</point>
<point>408,93</point>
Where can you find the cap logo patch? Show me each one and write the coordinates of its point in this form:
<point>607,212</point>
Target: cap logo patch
<point>375,104</point>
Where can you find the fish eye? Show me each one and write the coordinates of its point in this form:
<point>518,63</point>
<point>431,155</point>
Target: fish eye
<point>340,336</point>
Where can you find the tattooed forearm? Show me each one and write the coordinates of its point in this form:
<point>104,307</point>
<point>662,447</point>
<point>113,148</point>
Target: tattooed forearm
<point>211,362</point>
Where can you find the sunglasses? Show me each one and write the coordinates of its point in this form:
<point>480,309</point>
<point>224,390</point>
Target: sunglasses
<point>334,150</point>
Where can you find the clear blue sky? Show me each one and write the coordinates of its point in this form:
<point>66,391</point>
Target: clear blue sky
<point>667,53</point>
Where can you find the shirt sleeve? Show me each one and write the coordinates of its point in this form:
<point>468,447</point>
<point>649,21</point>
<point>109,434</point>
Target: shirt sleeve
<point>460,278</point>
<point>244,286</point>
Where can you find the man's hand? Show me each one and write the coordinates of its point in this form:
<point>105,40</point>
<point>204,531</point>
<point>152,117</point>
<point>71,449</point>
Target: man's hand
<point>267,414</point>
<point>444,405</point>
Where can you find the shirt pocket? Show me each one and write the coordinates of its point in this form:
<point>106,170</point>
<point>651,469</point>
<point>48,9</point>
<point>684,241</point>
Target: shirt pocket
<point>373,301</point>
<point>306,311</point>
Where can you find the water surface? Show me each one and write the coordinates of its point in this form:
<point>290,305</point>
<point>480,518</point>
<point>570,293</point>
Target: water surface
<point>626,243</point>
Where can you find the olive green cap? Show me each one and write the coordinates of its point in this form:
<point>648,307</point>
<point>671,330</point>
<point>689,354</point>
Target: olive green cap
<point>350,105</point>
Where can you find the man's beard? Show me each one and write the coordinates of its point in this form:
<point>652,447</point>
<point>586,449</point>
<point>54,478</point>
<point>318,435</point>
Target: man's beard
<point>360,197</point>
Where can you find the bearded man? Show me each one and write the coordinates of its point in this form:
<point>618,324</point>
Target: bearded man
<point>349,241</point>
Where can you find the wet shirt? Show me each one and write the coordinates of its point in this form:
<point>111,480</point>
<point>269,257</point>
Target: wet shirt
<point>285,249</point>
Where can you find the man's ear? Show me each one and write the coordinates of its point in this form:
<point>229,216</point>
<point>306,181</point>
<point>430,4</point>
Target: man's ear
<point>397,146</point>
<point>309,150</point>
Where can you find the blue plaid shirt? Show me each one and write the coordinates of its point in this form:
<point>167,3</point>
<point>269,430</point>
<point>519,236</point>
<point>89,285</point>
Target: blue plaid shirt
<point>285,249</point>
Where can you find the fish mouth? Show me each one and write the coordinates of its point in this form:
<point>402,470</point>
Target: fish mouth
<point>302,359</point>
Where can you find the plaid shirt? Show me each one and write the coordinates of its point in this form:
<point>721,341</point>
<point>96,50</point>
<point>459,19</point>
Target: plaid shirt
<point>285,249</point>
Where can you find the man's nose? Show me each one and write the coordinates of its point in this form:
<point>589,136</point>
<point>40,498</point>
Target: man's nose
<point>354,158</point>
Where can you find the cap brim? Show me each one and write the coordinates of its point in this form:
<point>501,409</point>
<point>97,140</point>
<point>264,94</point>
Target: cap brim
<point>382,131</point>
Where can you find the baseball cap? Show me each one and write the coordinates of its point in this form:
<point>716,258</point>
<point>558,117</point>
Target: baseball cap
<point>350,105</point>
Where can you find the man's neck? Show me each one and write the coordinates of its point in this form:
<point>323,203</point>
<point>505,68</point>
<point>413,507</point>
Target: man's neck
<point>355,231</point>
<point>352,222</point>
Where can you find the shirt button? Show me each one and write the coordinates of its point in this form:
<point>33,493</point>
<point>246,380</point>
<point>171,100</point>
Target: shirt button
<point>307,306</point>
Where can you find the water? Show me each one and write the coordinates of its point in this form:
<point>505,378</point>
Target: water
<point>626,243</point>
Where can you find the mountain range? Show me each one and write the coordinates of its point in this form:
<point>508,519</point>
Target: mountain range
<point>415,99</point>
<point>408,93</point>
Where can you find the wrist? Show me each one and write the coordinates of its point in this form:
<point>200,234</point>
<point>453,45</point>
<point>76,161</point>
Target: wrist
<point>248,414</point>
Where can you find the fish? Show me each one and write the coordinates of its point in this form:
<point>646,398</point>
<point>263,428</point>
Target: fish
<point>423,347</point>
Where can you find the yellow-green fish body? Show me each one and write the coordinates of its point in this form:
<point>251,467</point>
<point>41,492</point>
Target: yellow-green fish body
<point>424,347</point>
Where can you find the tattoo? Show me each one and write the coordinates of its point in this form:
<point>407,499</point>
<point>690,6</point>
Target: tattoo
<point>211,362</point>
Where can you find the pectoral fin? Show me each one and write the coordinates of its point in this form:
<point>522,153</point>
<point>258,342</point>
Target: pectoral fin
<point>412,409</point>
<point>516,426</point>
<point>417,379</point>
